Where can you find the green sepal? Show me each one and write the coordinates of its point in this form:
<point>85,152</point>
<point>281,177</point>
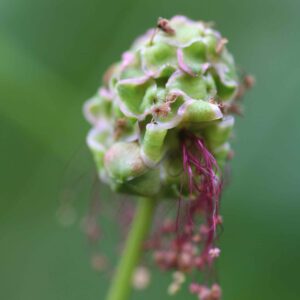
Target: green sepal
<point>159,59</point>
<point>147,185</point>
<point>134,95</point>
<point>186,31</point>
<point>219,132</point>
<point>221,154</point>
<point>194,87</point>
<point>123,161</point>
<point>195,56</point>
<point>153,144</point>
<point>201,111</point>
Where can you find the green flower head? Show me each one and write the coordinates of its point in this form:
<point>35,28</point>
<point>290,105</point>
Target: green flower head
<point>176,78</point>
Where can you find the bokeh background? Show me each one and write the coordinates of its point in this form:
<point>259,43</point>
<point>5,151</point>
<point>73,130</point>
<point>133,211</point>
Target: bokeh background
<point>52,56</point>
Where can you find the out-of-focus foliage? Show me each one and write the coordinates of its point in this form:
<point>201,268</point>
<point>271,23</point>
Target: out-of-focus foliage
<point>52,54</point>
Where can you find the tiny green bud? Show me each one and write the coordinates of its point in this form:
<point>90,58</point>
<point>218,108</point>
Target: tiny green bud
<point>124,162</point>
<point>153,143</point>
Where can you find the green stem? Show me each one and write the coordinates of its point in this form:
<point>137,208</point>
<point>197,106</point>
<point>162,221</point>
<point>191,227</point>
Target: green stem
<point>120,288</point>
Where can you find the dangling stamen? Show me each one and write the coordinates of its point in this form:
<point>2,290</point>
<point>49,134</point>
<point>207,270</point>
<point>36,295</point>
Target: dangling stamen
<point>204,186</point>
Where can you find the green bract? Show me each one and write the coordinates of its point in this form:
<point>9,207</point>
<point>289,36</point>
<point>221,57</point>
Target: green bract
<point>166,82</point>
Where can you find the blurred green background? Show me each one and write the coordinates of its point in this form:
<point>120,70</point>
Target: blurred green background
<point>52,56</point>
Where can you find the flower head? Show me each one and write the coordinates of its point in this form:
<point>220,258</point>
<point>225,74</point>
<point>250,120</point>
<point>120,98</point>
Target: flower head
<point>162,87</point>
<point>161,125</point>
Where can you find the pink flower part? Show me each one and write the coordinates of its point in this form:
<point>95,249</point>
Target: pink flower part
<point>214,252</point>
<point>204,185</point>
<point>195,288</point>
<point>205,67</point>
<point>205,293</point>
<point>216,292</point>
<point>127,59</point>
<point>106,93</point>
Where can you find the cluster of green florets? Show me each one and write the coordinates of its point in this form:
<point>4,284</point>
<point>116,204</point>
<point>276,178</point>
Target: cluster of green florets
<point>177,77</point>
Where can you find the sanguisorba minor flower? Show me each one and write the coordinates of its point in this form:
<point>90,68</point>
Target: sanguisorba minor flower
<point>161,125</point>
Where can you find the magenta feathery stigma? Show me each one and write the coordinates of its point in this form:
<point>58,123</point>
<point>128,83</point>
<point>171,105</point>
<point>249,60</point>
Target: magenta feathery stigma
<point>161,129</point>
